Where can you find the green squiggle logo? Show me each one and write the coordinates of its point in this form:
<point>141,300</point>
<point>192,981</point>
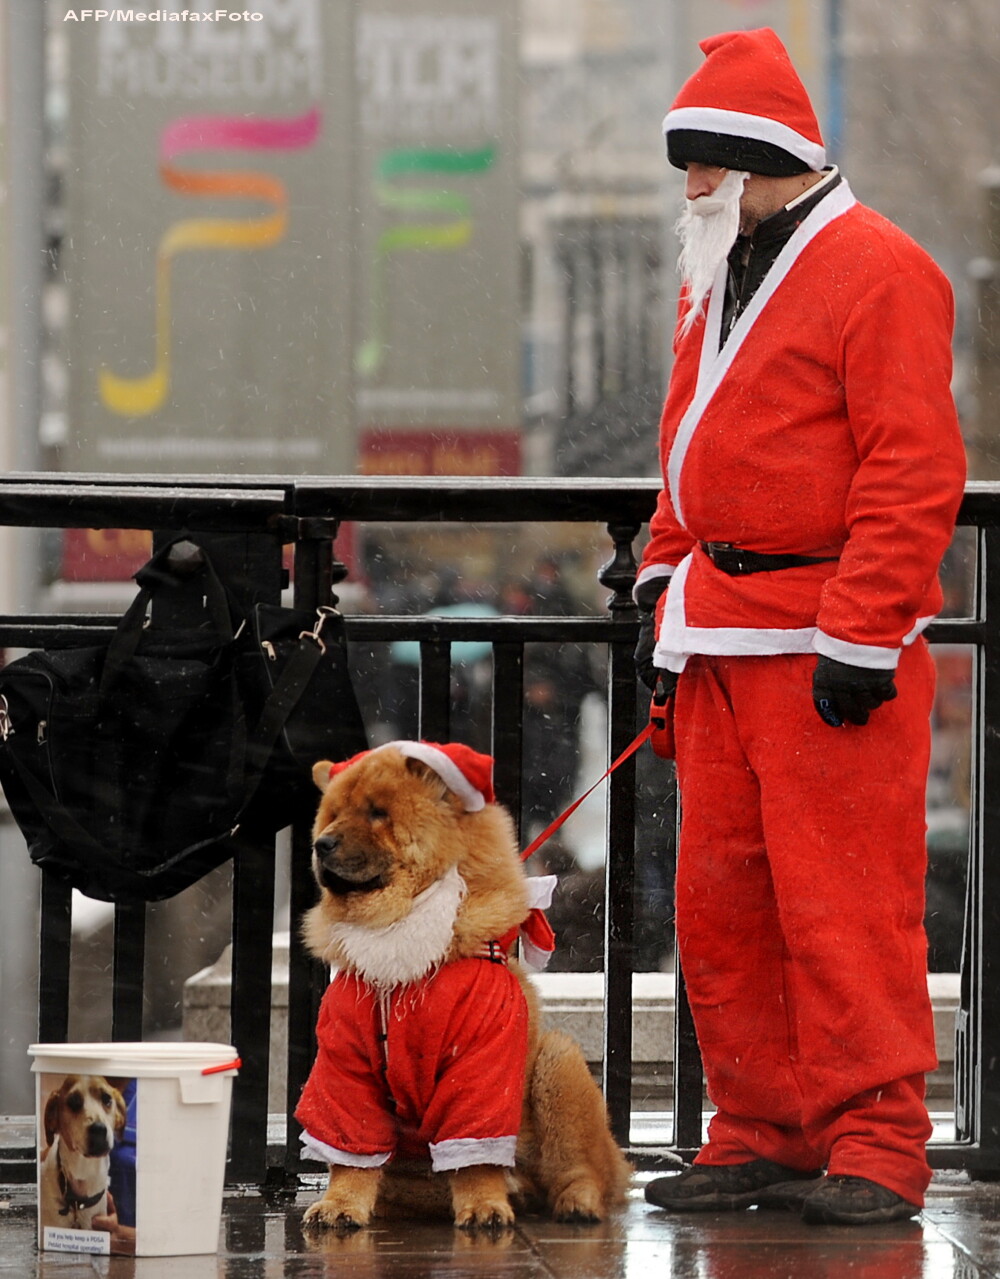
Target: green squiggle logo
<point>410,236</point>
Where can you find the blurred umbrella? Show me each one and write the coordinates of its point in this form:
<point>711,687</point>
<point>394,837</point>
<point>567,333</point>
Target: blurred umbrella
<point>407,652</point>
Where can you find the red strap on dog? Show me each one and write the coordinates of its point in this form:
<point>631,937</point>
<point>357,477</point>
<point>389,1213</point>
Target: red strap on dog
<point>563,817</point>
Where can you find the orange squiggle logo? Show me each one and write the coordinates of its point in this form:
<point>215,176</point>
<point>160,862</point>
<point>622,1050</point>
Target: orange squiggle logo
<point>134,397</point>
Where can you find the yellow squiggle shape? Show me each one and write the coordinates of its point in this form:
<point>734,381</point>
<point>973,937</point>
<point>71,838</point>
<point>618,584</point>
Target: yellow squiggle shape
<point>135,397</point>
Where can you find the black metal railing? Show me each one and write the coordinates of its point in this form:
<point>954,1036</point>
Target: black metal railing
<point>248,522</point>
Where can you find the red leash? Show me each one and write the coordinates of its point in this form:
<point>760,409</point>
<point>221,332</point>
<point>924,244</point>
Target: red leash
<point>563,817</point>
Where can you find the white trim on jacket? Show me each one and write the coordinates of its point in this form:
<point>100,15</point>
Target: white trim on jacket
<point>677,641</point>
<point>715,364</point>
<point>313,1148</point>
<point>650,572</point>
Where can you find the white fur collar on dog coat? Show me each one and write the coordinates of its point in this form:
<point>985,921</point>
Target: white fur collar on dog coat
<point>406,950</point>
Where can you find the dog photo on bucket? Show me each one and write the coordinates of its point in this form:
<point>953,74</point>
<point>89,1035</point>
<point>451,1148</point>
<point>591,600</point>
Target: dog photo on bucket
<point>435,1088</point>
<point>86,1181</point>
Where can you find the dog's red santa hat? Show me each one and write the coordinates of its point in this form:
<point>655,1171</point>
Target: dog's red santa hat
<point>467,773</point>
<point>745,108</point>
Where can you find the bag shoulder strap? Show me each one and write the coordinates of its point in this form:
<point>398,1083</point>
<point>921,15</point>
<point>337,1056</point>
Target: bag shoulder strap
<point>284,697</point>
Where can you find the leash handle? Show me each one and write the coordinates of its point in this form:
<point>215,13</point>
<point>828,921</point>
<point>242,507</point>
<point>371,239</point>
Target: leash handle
<point>563,817</point>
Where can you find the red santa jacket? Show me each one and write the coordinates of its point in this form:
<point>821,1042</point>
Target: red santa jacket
<point>824,426</point>
<point>436,1065</point>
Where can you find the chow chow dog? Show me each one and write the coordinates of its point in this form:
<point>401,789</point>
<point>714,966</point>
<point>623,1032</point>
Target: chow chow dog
<point>435,1088</point>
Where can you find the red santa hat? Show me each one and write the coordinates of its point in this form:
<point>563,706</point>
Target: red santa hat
<point>467,773</point>
<point>745,108</point>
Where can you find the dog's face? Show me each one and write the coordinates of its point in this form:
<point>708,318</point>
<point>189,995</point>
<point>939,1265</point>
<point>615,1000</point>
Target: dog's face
<point>387,828</point>
<point>86,1113</point>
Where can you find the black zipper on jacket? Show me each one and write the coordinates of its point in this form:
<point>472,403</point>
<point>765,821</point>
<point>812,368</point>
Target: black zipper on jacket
<point>738,289</point>
<point>738,304</point>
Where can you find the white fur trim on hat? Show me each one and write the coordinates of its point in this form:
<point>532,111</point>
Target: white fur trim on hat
<point>449,772</point>
<point>736,124</point>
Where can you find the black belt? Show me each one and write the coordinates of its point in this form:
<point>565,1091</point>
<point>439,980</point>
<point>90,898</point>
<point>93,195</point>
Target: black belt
<point>736,562</point>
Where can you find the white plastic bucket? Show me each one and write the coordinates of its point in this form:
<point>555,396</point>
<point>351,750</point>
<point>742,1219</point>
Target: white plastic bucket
<point>150,1123</point>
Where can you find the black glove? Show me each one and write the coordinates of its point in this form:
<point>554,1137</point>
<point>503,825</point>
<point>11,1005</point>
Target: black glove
<point>664,687</point>
<point>647,596</point>
<point>643,655</point>
<point>655,678</point>
<point>842,692</point>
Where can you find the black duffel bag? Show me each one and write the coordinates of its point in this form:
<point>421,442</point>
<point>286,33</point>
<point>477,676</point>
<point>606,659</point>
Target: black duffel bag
<point>130,765</point>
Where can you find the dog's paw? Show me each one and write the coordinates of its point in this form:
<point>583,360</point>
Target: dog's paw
<point>332,1214</point>
<point>479,1199</point>
<point>492,1217</point>
<point>348,1202</point>
<point>580,1202</point>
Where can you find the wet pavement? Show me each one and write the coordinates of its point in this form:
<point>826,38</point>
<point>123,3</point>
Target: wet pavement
<point>958,1237</point>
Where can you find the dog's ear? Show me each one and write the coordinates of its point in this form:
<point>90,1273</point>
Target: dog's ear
<point>121,1113</point>
<point>321,773</point>
<point>427,774</point>
<point>50,1116</point>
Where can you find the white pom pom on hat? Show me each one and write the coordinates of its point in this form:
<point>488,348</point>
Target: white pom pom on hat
<point>467,773</point>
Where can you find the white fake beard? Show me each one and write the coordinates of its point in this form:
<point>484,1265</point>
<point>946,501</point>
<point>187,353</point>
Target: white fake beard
<point>404,951</point>
<point>707,228</point>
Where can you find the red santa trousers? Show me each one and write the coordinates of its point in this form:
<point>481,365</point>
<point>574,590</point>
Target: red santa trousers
<point>800,900</point>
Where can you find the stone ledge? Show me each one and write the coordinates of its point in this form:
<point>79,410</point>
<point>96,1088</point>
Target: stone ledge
<point>572,1002</point>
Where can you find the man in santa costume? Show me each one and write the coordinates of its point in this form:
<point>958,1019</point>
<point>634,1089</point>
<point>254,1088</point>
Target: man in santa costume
<point>812,469</point>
